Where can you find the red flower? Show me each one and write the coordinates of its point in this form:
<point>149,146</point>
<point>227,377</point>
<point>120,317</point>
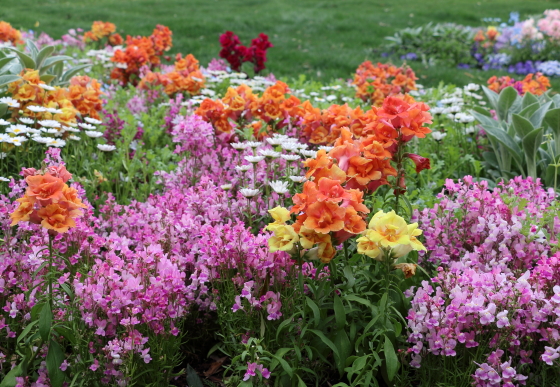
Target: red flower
<point>420,162</point>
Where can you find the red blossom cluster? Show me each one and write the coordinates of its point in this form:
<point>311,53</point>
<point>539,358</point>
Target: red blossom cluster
<point>141,51</point>
<point>236,53</point>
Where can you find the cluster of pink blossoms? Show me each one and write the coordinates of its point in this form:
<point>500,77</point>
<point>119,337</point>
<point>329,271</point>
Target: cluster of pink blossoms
<point>497,281</point>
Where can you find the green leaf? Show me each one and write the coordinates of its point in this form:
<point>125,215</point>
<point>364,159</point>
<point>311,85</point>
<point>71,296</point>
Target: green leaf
<point>506,99</point>
<point>47,78</point>
<point>314,309</point>
<point>344,347</point>
<point>300,382</point>
<point>339,313</point>
<point>361,300</point>
<point>529,110</point>
<point>45,322</point>
<point>531,144</point>
<point>326,340</point>
<point>36,310</point>
<point>391,361</point>
<point>10,379</point>
<point>26,330</point>
<point>73,71</point>
<point>552,119</point>
<point>359,363</point>
<point>285,366</point>
<point>492,97</point>
<point>32,48</point>
<point>66,332</point>
<point>537,117</point>
<point>43,55</point>
<point>25,60</point>
<point>5,79</point>
<point>528,100</point>
<point>5,61</point>
<point>349,274</point>
<point>193,380</point>
<point>47,63</point>
<point>522,125</point>
<point>55,357</point>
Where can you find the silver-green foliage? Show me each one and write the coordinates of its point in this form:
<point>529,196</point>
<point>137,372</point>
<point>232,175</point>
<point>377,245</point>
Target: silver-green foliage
<point>525,136</point>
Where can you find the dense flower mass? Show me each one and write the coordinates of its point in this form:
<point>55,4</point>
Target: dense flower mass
<point>9,34</point>
<point>533,83</point>
<point>236,53</point>
<point>184,78</point>
<point>101,30</point>
<point>375,82</point>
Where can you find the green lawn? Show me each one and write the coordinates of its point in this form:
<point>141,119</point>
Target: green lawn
<point>323,39</point>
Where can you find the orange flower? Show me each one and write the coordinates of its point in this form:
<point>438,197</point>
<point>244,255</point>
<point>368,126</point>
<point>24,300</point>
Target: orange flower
<point>46,189</point>
<point>325,217</point>
<point>23,212</point>
<point>57,217</point>
<point>9,34</point>
<point>364,170</point>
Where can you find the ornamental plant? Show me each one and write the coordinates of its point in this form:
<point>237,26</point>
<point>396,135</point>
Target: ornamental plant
<point>524,134</point>
<point>376,82</point>
<point>490,311</point>
<point>236,54</point>
<point>140,51</point>
<point>101,30</point>
<point>536,84</point>
<point>9,34</point>
<point>185,77</point>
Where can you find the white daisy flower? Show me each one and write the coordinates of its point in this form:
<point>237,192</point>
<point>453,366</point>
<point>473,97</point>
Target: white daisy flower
<point>326,148</point>
<point>2,154</point>
<point>106,147</point>
<point>254,159</point>
<point>291,157</point>
<point>85,126</point>
<point>254,144</point>
<point>17,141</point>
<point>10,102</point>
<point>36,109</point>
<point>269,153</point>
<point>4,122</point>
<point>298,179</point>
<point>308,153</point>
<point>41,140</point>
<point>70,129</point>
<point>54,111</point>
<point>5,137</point>
<point>226,187</point>
<point>92,121</point>
<point>44,86</point>
<point>290,146</point>
<point>93,134</point>
<point>437,110</point>
<point>438,136</point>
<point>280,187</point>
<point>275,141</point>
<point>243,168</point>
<point>249,192</point>
<point>240,145</point>
<point>74,138</point>
<point>464,118</point>
<point>26,120</point>
<point>2,178</point>
<point>472,87</point>
<point>55,142</point>
<point>50,123</point>
<point>17,129</point>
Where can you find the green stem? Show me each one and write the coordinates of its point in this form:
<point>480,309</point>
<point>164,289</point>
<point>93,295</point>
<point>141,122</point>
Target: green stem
<point>50,274</point>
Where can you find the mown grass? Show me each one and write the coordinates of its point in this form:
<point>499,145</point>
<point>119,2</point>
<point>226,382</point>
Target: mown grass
<point>322,39</point>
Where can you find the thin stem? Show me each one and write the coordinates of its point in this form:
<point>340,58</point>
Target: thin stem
<point>50,274</point>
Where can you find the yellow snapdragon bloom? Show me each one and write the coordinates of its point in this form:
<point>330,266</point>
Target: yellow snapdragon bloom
<point>284,237</point>
<point>280,215</point>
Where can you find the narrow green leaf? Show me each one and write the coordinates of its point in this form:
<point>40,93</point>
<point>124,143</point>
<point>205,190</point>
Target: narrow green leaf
<point>26,330</point>
<point>47,78</point>
<point>522,125</point>
<point>285,366</point>
<point>193,379</point>
<point>5,61</point>
<point>314,309</point>
<point>339,313</point>
<point>5,79</point>
<point>531,144</point>
<point>32,48</point>
<point>537,117</point>
<point>300,382</point>
<point>26,60</point>
<point>55,357</point>
<point>10,379</point>
<point>492,97</point>
<point>66,332</point>
<point>528,100</point>
<point>73,71</point>
<point>391,361</point>
<point>326,340</point>
<point>51,61</point>
<point>529,110</point>
<point>45,322</point>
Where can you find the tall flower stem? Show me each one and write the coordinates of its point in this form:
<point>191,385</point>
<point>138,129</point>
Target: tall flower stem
<point>50,274</point>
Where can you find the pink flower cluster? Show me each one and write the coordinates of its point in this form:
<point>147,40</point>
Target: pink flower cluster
<point>496,285</point>
<point>550,24</point>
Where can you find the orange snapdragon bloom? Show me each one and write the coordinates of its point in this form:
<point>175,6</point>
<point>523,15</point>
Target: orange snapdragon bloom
<point>45,189</point>
<point>9,34</point>
<point>376,82</point>
<point>24,211</point>
<point>99,30</point>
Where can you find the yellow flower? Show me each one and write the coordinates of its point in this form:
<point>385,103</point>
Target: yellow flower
<point>280,215</point>
<point>367,247</point>
<point>415,244</point>
<point>284,237</point>
<point>309,237</point>
<point>388,230</point>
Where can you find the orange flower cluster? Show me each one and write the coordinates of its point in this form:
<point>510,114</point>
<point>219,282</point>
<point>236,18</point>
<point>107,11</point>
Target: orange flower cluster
<point>326,209</point>
<point>536,84</point>
<point>49,201</point>
<point>376,82</point>
<point>186,77</point>
<point>141,51</point>
<point>242,105</point>
<point>28,91</point>
<point>362,154</point>
<point>9,34</point>
<point>100,30</point>
<point>81,96</point>
<point>84,93</point>
<point>491,34</point>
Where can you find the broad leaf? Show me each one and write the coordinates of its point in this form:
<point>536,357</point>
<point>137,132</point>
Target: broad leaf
<point>522,125</point>
<point>506,99</point>
<point>55,357</point>
<point>391,361</point>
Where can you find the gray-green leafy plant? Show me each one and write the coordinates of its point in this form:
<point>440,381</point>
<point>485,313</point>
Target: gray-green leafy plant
<point>524,136</point>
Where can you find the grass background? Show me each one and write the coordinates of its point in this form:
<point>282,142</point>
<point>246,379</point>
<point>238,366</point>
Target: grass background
<point>322,39</point>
